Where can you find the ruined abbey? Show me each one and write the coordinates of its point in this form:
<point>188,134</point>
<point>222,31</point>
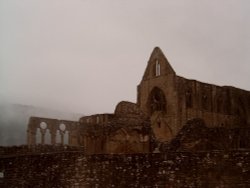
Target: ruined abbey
<point>165,103</point>
<point>179,133</point>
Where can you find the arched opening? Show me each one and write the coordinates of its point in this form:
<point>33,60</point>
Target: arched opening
<point>38,136</point>
<point>62,127</point>
<point>47,137</point>
<point>66,138</point>
<point>58,137</point>
<point>156,68</point>
<point>44,134</point>
<point>97,119</point>
<point>156,101</point>
<point>43,125</point>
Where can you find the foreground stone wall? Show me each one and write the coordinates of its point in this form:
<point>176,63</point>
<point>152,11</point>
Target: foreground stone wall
<point>173,169</point>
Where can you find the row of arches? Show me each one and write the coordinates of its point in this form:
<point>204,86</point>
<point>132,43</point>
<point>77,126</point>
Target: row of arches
<point>43,135</point>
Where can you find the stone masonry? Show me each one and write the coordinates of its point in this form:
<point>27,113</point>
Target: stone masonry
<point>165,102</point>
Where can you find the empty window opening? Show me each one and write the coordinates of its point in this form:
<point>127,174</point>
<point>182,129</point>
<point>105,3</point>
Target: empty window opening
<point>156,101</point>
<point>38,136</point>
<point>97,119</point>
<point>58,137</point>
<point>66,138</point>
<point>62,127</point>
<point>47,137</point>
<point>1,174</point>
<point>43,125</point>
<point>157,68</point>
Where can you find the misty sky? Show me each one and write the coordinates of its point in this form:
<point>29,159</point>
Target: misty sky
<point>87,55</point>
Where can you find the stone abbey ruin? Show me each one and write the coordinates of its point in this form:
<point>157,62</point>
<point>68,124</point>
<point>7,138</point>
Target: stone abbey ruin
<point>179,133</point>
<point>165,102</point>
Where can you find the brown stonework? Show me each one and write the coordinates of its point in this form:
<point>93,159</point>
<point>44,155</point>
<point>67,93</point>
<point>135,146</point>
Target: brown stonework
<point>165,102</point>
<point>52,131</point>
<point>71,169</point>
<point>173,100</point>
<point>180,133</point>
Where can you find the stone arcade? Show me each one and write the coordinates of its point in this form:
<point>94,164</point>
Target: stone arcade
<point>165,102</point>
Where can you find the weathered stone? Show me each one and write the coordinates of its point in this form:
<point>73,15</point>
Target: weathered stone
<point>171,169</point>
<point>165,102</point>
<point>179,133</point>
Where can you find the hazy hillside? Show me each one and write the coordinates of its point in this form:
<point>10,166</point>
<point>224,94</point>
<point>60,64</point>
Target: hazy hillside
<point>14,119</point>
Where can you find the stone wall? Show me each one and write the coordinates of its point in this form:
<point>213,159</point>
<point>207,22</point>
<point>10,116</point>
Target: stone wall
<point>37,149</point>
<point>52,131</point>
<point>196,136</point>
<point>172,169</point>
<point>179,99</point>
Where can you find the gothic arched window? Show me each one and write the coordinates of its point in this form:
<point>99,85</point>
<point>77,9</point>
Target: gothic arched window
<point>156,101</point>
<point>157,68</point>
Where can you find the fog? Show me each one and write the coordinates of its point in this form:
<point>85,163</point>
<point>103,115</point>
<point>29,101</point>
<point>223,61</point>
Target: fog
<point>85,56</point>
<point>14,119</point>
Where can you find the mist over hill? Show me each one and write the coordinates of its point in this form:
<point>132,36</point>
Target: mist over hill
<point>14,120</point>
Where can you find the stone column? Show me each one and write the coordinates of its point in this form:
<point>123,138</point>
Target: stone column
<point>62,137</point>
<point>69,137</point>
<point>53,137</point>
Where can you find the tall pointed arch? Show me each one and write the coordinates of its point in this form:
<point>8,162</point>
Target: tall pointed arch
<point>156,101</point>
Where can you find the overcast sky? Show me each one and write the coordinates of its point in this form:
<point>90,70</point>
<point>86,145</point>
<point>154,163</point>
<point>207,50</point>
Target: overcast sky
<point>87,55</point>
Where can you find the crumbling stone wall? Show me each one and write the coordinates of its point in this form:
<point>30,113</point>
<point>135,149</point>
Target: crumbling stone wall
<point>52,131</point>
<point>171,100</point>
<point>165,102</point>
<point>219,106</point>
<point>126,131</point>
<point>196,136</point>
<point>171,169</point>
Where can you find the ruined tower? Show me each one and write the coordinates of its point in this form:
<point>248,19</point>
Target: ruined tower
<point>171,100</point>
